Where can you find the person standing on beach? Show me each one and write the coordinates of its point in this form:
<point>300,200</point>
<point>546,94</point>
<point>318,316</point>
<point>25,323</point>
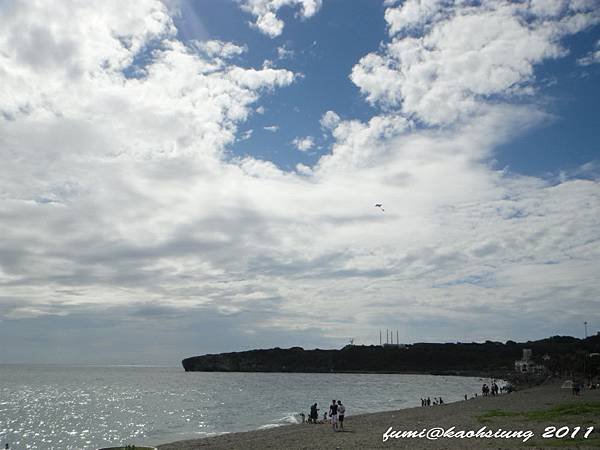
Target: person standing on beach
<point>314,413</point>
<point>333,411</point>
<point>341,410</point>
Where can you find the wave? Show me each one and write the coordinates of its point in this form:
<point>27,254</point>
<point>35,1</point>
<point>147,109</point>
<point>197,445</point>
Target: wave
<point>271,425</point>
<point>288,419</point>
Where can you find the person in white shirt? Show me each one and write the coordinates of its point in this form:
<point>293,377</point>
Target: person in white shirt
<point>341,410</point>
<point>333,414</point>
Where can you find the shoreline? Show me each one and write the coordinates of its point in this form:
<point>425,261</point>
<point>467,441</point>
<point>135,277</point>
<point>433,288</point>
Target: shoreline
<point>504,376</point>
<point>528,409</point>
<point>457,373</point>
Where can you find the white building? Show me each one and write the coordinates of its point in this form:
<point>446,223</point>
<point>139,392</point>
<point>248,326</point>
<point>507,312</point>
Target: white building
<point>527,365</point>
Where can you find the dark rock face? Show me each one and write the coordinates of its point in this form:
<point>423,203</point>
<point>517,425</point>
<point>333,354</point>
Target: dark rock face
<point>564,354</point>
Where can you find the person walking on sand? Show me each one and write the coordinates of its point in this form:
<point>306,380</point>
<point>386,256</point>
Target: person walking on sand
<point>341,413</point>
<point>333,411</point>
<point>314,413</point>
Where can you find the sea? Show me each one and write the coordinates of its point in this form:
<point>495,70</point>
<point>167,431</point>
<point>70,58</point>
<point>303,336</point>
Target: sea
<point>89,407</point>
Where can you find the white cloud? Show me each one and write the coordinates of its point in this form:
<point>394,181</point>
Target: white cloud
<point>329,120</point>
<point>592,57</point>
<point>359,145</point>
<point>269,24</point>
<point>265,12</point>
<point>107,146</point>
<point>304,144</point>
<point>457,55</point>
<point>284,53</point>
<point>216,48</point>
<point>265,78</point>
<point>246,135</point>
<point>549,8</point>
<point>271,128</point>
<point>154,119</point>
<point>413,13</point>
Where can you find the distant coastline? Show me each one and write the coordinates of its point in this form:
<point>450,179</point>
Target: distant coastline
<point>556,355</point>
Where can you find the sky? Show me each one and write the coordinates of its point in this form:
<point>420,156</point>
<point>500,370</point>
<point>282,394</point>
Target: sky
<point>183,177</point>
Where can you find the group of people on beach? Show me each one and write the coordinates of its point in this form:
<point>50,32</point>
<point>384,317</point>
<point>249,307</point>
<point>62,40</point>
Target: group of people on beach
<point>492,390</point>
<point>487,390</point>
<point>337,411</point>
<point>436,401</point>
<point>578,386</point>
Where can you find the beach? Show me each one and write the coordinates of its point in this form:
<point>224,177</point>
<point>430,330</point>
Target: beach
<point>529,411</point>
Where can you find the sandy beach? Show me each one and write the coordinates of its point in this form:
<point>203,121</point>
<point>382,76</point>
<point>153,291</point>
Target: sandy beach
<point>529,410</point>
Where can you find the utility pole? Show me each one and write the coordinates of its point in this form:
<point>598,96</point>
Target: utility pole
<point>380,338</point>
<point>585,327</point>
<point>397,340</point>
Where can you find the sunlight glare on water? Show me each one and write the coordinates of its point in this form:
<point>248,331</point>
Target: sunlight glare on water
<point>87,407</point>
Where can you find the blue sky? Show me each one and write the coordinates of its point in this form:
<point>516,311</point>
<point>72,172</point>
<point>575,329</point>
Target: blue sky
<point>571,139</point>
<point>327,46</point>
<point>324,48</point>
<point>184,177</point>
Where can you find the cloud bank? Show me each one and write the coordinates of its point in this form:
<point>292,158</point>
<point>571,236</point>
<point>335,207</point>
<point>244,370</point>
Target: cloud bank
<point>121,208</point>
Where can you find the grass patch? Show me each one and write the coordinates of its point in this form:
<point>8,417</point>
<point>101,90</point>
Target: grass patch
<point>570,443</point>
<point>561,411</point>
<point>558,412</point>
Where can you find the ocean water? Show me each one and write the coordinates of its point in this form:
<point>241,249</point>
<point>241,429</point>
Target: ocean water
<point>88,407</point>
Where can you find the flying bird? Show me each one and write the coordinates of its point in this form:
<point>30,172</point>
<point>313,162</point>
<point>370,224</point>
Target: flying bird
<point>379,205</point>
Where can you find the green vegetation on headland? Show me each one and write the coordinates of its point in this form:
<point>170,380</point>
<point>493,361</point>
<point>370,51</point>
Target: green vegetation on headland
<point>556,413</point>
<point>560,355</point>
